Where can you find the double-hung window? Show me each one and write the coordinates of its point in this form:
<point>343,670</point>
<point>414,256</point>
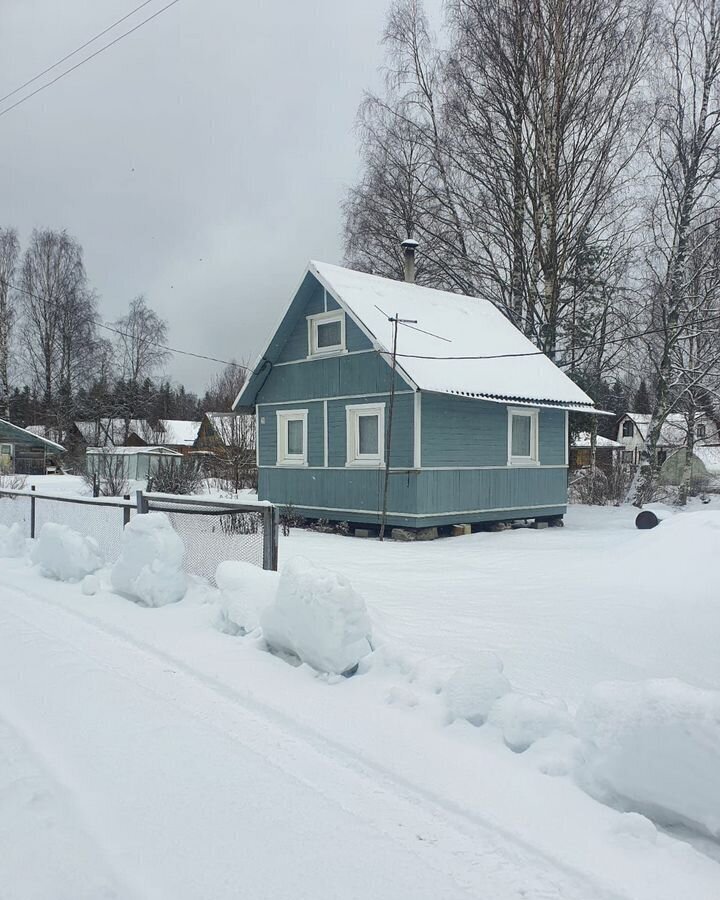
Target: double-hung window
<point>366,434</point>
<point>292,437</point>
<point>326,333</point>
<point>523,437</point>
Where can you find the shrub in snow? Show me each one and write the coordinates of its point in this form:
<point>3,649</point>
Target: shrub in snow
<point>12,542</point>
<point>62,553</point>
<point>473,688</point>
<point>656,746</point>
<point>150,567</point>
<point>524,719</point>
<point>318,617</point>
<point>245,591</point>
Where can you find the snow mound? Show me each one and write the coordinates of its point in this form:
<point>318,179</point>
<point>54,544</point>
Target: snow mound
<point>90,585</point>
<point>64,554</point>
<point>655,746</point>
<point>12,542</point>
<point>524,719</point>
<point>150,566</point>
<point>245,591</point>
<point>318,617</point>
<point>472,689</point>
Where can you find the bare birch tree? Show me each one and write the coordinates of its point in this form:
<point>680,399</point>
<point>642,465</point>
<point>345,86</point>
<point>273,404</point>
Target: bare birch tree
<point>9,254</point>
<point>683,283</point>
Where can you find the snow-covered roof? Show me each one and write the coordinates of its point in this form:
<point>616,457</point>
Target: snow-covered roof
<point>52,445</point>
<point>437,354</point>
<point>133,451</point>
<point>179,432</point>
<point>231,427</point>
<point>111,432</point>
<point>43,431</point>
<point>583,440</point>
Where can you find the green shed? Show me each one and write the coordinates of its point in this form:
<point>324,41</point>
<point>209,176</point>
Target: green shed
<point>24,453</point>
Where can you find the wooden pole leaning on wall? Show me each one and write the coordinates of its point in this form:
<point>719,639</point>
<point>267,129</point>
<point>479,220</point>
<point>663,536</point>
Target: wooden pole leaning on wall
<point>33,501</point>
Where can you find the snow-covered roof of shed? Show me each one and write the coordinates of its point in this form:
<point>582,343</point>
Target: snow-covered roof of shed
<point>179,432</point>
<point>52,445</point>
<point>461,328</point>
<point>132,451</point>
<point>583,440</point>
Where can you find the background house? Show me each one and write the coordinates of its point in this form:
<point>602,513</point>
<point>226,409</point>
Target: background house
<point>227,440</point>
<point>116,432</point>
<point>470,440</point>
<point>632,433</point>
<point>24,453</point>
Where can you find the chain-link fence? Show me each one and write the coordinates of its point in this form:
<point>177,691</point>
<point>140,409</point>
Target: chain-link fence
<point>211,530</point>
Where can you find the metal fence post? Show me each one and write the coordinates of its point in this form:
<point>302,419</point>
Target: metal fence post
<point>142,504</point>
<point>32,512</point>
<point>126,511</point>
<point>271,528</point>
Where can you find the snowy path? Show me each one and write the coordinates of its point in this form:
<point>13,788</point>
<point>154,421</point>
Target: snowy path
<point>191,792</point>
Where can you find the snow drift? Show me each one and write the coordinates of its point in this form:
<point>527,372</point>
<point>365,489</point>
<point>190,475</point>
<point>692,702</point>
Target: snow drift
<point>472,689</point>
<point>245,591</point>
<point>12,542</point>
<point>150,567</point>
<point>318,617</point>
<point>524,719</point>
<point>655,746</point>
<point>64,554</point>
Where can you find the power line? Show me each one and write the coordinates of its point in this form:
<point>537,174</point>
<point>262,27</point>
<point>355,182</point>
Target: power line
<point>126,334</point>
<point>88,58</point>
<point>74,52</point>
<point>627,337</point>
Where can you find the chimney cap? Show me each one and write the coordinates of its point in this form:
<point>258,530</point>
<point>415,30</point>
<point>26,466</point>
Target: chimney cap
<point>410,243</point>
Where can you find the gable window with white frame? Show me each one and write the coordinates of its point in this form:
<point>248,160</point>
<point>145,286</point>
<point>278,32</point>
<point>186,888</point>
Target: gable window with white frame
<point>523,444</point>
<point>326,333</point>
<point>366,434</point>
<point>292,437</point>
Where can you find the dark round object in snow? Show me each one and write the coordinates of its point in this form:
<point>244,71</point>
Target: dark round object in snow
<point>646,519</point>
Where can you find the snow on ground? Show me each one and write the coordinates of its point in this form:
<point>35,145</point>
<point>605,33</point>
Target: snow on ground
<point>183,761</point>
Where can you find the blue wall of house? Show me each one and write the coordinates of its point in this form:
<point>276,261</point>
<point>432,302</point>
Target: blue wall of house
<point>464,475</point>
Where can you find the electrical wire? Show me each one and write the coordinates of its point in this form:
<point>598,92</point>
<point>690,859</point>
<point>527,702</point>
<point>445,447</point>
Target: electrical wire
<point>99,324</point>
<point>75,51</point>
<point>87,58</point>
<point>627,337</point>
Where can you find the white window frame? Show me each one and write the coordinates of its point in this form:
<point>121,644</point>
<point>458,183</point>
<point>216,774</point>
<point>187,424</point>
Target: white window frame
<point>325,318</point>
<point>352,422</point>
<point>283,416</point>
<point>534,458</point>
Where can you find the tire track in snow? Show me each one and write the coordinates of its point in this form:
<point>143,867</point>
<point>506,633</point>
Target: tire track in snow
<point>480,856</point>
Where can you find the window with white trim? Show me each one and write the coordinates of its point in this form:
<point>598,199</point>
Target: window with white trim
<point>326,333</point>
<point>523,437</point>
<point>366,434</point>
<point>292,437</point>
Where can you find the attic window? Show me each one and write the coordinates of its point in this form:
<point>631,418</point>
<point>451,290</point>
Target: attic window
<point>627,429</point>
<point>701,431</point>
<point>326,333</point>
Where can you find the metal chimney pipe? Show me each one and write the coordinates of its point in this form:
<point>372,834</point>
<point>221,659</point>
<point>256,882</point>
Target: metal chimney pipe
<point>409,247</point>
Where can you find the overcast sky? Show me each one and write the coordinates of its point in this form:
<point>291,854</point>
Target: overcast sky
<point>201,161</point>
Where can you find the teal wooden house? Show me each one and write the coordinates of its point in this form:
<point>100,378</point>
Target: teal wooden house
<point>479,427</point>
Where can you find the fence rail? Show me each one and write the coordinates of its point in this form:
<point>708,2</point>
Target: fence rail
<point>212,529</point>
